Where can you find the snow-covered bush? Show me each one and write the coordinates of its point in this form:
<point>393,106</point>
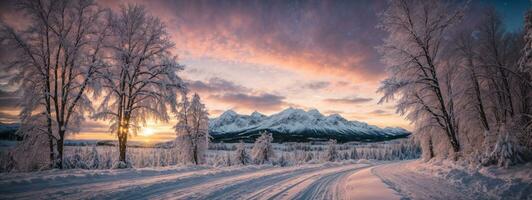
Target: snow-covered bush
<point>506,152</point>
<point>282,161</point>
<point>94,159</point>
<point>262,151</point>
<point>241,156</point>
<point>331,154</point>
<point>221,160</point>
<point>76,160</point>
<point>31,154</point>
<point>122,165</point>
<point>353,155</point>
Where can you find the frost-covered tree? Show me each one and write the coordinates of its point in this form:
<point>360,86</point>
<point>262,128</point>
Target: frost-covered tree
<point>463,82</point>
<point>412,51</point>
<point>262,151</point>
<point>192,130</point>
<point>142,81</point>
<point>331,154</point>
<point>525,61</point>
<point>241,156</point>
<point>354,154</point>
<point>56,59</point>
<point>502,99</point>
<point>94,158</point>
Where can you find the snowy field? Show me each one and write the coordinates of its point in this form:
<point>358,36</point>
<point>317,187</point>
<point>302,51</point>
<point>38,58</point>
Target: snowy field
<point>88,156</point>
<point>385,170</point>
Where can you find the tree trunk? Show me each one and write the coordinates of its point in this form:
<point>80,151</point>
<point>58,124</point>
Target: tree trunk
<point>195,154</point>
<point>449,125</point>
<point>481,112</point>
<point>52,154</point>
<point>431,149</point>
<point>122,147</point>
<point>60,146</point>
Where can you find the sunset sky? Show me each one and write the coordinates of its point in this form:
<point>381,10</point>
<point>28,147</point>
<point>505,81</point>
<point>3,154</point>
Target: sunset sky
<point>270,55</point>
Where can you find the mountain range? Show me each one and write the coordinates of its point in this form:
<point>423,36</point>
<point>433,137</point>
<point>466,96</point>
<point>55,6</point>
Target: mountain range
<point>297,125</point>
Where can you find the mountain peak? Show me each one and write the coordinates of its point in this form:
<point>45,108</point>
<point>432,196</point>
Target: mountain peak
<point>229,114</point>
<point>257,114</point>
<point>295,124</point>
<point>314,112</point>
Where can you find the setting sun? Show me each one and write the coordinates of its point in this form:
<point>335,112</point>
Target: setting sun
<point>147,131</point>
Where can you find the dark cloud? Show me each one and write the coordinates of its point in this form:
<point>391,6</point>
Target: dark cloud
<point>263,101</point>
<point>216,85</point>
<point>330,112</point>
<point>354,100</point>
<point>8,100</point>
<point>95,127</point>
<point>380,112</point>
<point>316,85</point>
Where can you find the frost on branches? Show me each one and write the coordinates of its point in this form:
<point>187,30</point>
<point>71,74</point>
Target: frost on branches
<point>463,86</point>
<point>262,151</point>
<point>331,154</point>
<point>241,156</point>
<point>56,66</point>
<point>192,130</point>
<point>141,82</point>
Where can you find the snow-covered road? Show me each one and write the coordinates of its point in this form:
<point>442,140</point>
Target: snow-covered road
<point>319,181</point>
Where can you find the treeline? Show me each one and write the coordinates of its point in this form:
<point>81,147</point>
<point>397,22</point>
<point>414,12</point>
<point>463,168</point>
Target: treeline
<point>220,154</point>
<point>462,77</point>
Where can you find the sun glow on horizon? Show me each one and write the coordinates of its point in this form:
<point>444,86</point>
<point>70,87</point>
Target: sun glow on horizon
<point>147,131</point>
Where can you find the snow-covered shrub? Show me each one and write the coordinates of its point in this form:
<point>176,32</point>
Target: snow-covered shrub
<point>241,156</point>
<point>282,161</point>
<point>122,165</point>
<point>353,154</point>
<point>506,152</point>
<point>75,160</point>
<point>31,154</point>
<point>94,159</point>
<point>331,154</point>
<point>222,160</point>
<point>262,151</point>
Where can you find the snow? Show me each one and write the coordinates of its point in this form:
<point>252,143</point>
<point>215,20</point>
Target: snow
<point>365,185</point>
<point>200,182</point>
<point>444,180</point>
<point>341,180</point>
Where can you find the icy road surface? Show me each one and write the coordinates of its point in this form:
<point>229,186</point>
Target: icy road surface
<point>323,181</point>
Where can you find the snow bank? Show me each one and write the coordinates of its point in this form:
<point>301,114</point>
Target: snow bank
<point>448,180</point>
<point>495,182</point>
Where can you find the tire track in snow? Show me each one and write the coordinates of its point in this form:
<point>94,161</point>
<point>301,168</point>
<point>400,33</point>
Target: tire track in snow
<point>265,182</point>
<point>289,188</point>
<point>50,180</point>
<point>200,191</point>
<point>325,187</point>
<point>105,188</point>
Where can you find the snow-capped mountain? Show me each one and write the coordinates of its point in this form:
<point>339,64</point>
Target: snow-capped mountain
<point>297,125</point>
